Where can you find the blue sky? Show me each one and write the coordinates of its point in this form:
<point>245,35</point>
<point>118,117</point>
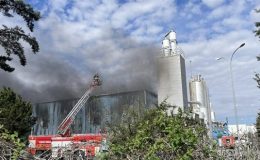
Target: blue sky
<point>121,39</point>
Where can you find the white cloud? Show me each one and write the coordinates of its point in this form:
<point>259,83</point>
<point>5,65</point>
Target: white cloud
<point>254,16</point>
<point>212,3</point>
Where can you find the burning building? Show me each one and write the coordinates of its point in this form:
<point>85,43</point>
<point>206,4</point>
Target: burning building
<point>97,113</point>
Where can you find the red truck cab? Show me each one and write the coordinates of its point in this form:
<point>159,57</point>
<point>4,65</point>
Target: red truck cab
<point>228,142</point>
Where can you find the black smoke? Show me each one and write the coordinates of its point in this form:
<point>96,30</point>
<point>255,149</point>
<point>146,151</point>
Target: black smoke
<point>123,64</point>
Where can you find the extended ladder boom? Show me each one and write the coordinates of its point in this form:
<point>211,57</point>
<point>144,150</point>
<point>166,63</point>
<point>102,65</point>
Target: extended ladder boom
<point>66,123</point>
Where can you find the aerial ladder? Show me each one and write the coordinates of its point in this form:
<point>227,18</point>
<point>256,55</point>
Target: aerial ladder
<point>53,143</point>
<point>63,128</point>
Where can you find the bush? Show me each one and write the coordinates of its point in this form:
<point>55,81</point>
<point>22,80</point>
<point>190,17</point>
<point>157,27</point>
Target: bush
<point>156,135</point>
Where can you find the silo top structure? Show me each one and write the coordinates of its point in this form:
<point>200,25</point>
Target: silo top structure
<point>169,45</point>
<point>172,74</point>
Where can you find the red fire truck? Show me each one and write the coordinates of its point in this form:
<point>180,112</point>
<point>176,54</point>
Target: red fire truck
<point>84,145</point>
<point>228,142</point>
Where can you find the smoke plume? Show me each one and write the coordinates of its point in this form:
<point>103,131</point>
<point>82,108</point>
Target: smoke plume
<point>123,64</point>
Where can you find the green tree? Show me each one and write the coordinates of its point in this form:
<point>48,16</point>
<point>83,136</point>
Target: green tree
<point>257,79</point>
<point>257,24</point>
<point>156,135</point>
<point>257,76</point>
<point>15,114</point>
<point>258,129</point>
<point>257,34</point>
<point>10,143</point>
<point>10,38</point>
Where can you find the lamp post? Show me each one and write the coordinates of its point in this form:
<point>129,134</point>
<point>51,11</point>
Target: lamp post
<point>233,88</point>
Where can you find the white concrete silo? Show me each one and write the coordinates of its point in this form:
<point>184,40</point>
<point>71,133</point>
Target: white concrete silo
<point>172,85</point>
<point>199,97</point>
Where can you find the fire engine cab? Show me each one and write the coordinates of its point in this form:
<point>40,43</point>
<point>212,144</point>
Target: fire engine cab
<point>228,142</point>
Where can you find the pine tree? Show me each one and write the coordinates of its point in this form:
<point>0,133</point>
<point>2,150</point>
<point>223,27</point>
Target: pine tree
<point>257,78</point>
<point>257,24</point>
<point>257,75</point>
<point>10,38</point>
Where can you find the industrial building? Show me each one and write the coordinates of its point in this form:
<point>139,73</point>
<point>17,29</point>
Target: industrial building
<point>97,113</point>
<point>172,86</point>
<point>243,129</point>
<point>103,109</point>
<point>199,99</point>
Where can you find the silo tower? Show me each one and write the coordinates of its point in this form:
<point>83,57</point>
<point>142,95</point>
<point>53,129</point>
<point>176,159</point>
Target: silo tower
<point>172,74</point>
<point>199,95</point>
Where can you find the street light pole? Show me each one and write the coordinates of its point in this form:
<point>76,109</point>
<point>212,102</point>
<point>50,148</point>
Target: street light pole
<point>233,89</point>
